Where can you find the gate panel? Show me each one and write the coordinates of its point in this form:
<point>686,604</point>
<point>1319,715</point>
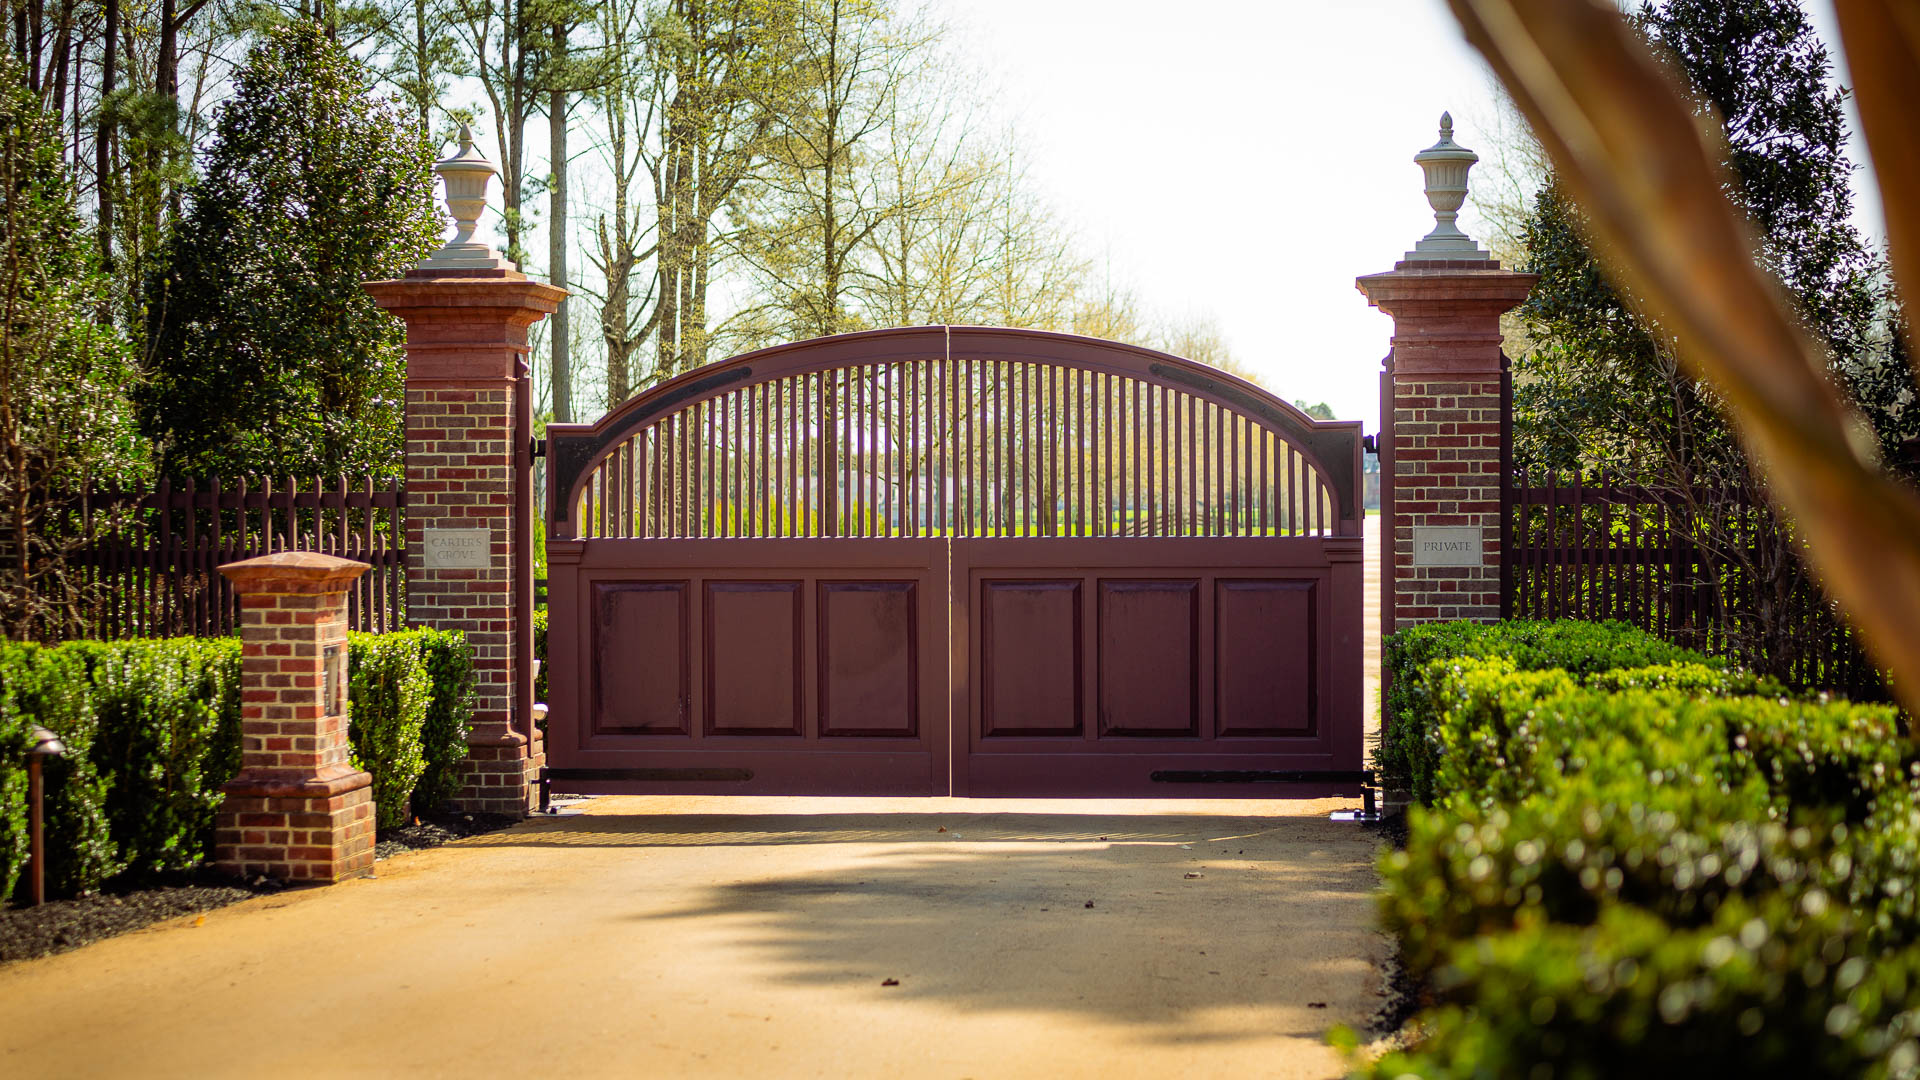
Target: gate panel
<point>1149,649</point>
<point>1266,670</point>
<point>1017,562</point>
<point>1208,662</point>
<point>803,667</point>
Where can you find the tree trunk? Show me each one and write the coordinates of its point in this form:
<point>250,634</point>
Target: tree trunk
<point>103,136</point>
<point>422,68</point>
<point>557,231</point>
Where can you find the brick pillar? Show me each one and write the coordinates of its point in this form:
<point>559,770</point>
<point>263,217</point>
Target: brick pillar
<point>1443,428</point>
<point>297,811</point>
<point>469,500</point>
<point>470,475</point>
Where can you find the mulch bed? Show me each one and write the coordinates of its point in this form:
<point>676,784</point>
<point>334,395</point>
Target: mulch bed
<point>60,925</point>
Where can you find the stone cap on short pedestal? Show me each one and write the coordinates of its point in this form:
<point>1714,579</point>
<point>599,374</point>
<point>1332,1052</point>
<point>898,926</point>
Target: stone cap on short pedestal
<point>293,572</point>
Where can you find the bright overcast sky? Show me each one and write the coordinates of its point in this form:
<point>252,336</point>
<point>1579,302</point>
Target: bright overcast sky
<point>1242,160</point>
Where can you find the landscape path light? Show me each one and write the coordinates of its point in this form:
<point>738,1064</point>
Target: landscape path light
<point>45,745</point>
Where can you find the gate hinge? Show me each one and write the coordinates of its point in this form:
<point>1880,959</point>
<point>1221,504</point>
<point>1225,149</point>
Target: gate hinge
<point>537,447</point>
<point>1370,443</point>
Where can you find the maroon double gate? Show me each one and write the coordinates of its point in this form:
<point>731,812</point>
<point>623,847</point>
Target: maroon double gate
<point>955,560</point>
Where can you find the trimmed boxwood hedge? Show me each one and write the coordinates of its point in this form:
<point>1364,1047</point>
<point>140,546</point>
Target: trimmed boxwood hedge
<point>1405,758</point>
<point>1661,867</point>
<point>153,729</point>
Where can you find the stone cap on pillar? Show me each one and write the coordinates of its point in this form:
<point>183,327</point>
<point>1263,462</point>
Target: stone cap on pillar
<point>293,572</point>
<point>1446,320</point>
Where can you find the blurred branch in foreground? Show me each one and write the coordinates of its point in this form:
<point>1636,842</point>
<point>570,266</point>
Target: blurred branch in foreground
<point>1628,147</point>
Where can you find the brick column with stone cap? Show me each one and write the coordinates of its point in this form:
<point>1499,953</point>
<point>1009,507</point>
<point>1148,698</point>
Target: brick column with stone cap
<point>469,423</point>
<point>1442,411</point>
<point>297,810</point>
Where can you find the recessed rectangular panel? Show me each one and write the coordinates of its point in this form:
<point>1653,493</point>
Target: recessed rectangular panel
<point>752,662</point>
<point>869,658</point>
<point>640,671</point>
<point>1149,659</point>
<point>1264,656</point>
<point>1030,658</point>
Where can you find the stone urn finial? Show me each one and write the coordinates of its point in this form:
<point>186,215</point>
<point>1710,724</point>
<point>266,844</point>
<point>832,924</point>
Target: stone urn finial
<point>1446,164</point>
<point>466,175</point>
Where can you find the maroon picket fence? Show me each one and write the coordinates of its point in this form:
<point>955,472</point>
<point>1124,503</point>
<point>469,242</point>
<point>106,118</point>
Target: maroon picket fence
<point>1598,548</point>
<point>145,562</point>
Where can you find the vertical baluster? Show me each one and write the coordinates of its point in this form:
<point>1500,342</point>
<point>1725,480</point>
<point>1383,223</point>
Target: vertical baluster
<point>1059,460</point>
<point>1033,454</point>
<point>969,412</point>
<point>1080,450</point>
<point>1204,459</point>
<point>195,572</point>
<point>370,600</point>
<point>1146,436</point>
<point>842,492</point>
<point>682,473</point>
<point>761,454</point>
<point>1256,478</point>
<point>1556,560</point>
<point>870,428</point>
<point>265,540</point>
<point>1103,443</point>
<point>906,389</point>
<point>620,481</point>
<point>659,493</point>
<point>1176,464</point>
<point>671,475</point>
<point>785,442</point>
<point>847,450</point>
<point>1019,447</point>
<point>992,431</point>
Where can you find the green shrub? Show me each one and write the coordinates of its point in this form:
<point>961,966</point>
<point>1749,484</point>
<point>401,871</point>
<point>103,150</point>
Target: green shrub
<point>49,687</point>
<point>1565,858</point>
<point>448,658</point>
<point>1582,649</point>
<point>1491,723</point>
<point>15,738</point>
<point>540,653</point>
<point>169,714</point>
<point>390,691</point>
<point>1774,987</point>
<point>153,731</point>
<point>1583,798</point>
<point>1663,866</point>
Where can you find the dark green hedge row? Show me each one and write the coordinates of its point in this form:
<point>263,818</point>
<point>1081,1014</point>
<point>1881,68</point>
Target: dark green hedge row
<point>1406,757</point>
<point>153,729</point>
<point>1653,868</point>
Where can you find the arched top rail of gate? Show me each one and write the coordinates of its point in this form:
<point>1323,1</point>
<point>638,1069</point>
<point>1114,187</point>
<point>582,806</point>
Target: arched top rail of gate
<point>961,431</point>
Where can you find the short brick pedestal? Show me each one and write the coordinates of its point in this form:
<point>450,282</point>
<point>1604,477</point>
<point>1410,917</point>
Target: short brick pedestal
<point>297,811</point>
<point>1441,414</point>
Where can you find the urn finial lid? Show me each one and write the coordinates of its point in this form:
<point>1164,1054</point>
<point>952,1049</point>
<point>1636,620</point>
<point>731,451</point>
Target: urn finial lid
<point>466,175</point>
<point>1446,164</point>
